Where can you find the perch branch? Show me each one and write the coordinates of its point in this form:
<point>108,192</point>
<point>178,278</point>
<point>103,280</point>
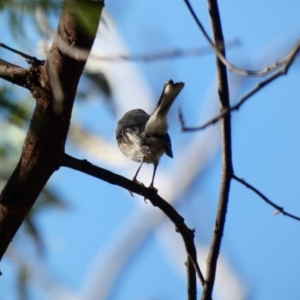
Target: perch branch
<point>187,234</point>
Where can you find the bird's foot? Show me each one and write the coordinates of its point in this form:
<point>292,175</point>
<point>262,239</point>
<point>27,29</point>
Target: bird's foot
<point>138,182</point>
<point>152,188</point>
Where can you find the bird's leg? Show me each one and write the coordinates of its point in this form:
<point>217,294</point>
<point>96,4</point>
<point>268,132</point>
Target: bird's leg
<point>151,186</point>
<point>135,176</point>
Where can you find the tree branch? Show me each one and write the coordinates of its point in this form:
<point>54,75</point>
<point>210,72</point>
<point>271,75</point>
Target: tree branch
<point>187,234</point>
<point>227,169</point>
<point>30,59</point>
<point>14,74</point>
<point>267,200</point>
<point>45,140</point>
<point>290,58</point>
<point>171,54</point>
<point>253,73</point>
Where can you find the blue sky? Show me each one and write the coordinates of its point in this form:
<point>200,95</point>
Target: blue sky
<point>109,241</point>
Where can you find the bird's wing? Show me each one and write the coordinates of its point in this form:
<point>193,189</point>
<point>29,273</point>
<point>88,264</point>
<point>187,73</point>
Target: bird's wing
<point>168,145</point>
<point>136,140</point>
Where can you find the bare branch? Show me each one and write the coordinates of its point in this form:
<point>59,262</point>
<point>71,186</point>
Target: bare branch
<point>30,59</point>
<point>290,58</point>
<point>267,200</point>
<point>78,53</point>
<point>13,73</point>
<point>186,233</point>
<point>198,271</point>
<point>227,168</point>
<point>164,54</point>
<point>253,73</point>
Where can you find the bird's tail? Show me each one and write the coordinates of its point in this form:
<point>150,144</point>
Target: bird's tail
<point>158,123</point>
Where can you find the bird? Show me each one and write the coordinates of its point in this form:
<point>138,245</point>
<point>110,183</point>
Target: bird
<point>144,138</point>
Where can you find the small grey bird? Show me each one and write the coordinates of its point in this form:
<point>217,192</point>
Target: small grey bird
<point>145,138</point>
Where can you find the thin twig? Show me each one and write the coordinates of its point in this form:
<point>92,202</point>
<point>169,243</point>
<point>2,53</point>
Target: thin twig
<point>163,55</point>
<point>186,233</point>
<point>267,200</point>
<point>227,168</point>
<point>197,269</point>
<point>283,71</point>
<point>30,59</point>
<point>253,73</point>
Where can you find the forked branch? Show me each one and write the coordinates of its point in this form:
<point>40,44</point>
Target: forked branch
<point>187,234</point>
<point>248,73</point>
<point>289,59</point>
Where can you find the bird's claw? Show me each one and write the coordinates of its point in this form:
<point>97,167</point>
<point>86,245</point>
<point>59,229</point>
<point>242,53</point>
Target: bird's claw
<point>138,182</point>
